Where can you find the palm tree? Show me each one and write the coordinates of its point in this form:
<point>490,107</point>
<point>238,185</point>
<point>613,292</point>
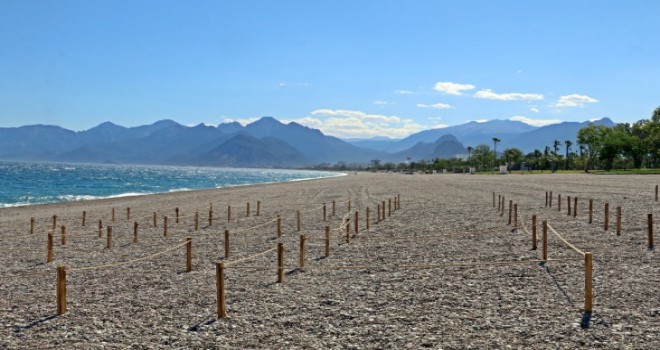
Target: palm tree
<point>568,144</point>
<point>495,141</point>
<point>556,145</point>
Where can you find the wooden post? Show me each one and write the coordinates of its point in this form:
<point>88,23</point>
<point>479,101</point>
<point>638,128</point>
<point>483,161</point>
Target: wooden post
<point>550,198</point>
<point>607,216</point>
<point>279,227</point>
<point>493,199</point>
<point>155,223</point>
<point>559,202</point>
<point>135,232</point>
<point>588,292</point>
<point>113,214</point>
<point>333,208</point>
<point>349,203</point>
<point>327,241</point>
<point>211,214</point>
<point>100,228</point>
<point>378,219</point>
<point>534,247</point>
<point>510,211</point>
<point>591,211</point>
<point>503,201</point>
<point>546,198</point>
<point>575,201</point>
<point>226,244</point>
<point>220,284</point>
<point>298,219</point>
<point>348,230</point>
<point>196,221</point>
<point>545,240</point>
<point>499,202</point>
<point>61,290</point>
<point>302,251</point>
<point>568,199</point>
<point>228,213</point>
<point>164,226</point>
<point>367,219</point>
<point>176,213</point>
<point>280,262</point>
<point>54,222</point>
<point>63,235</point>
<point>258,208</point>
<point>357,224</point>
<point>515,215</point>
<point>128,214</point>
<point>618,220</point>
<point>325,213</point>
<point>188,254</point>
<point>389,207</point>
<point>49,248</point>
<point>398,201</point>
<point>656,193</point>
<point>247,210</point>
<point>32,222</point>
<point>109,238</point>
<point>650,230</point>
<point>84,218</point>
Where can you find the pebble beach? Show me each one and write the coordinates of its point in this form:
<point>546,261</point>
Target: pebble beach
<point>445,270</point>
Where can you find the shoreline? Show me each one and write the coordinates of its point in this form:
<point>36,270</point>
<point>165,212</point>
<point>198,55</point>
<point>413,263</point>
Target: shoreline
<point>130,192</point>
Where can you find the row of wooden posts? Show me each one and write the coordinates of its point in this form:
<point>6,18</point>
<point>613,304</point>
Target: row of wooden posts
<point>393,204</point>
<point>588,257</point>
<point>62,272</point>
<point>606,223</point>
<point>155,217</point>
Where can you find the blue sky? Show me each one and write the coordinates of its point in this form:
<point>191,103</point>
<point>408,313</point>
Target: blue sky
<point>350,68</point>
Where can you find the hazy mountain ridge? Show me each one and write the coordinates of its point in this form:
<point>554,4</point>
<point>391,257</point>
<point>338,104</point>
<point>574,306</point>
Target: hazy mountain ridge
<point>511,133</point>
<point>265,142</point>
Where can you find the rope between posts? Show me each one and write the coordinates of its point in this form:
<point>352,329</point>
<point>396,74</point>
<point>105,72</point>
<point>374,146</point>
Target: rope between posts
<point>256,226</point>
<point>250,257</point>
<point>308,210</point>
<point>26,275</point>
<point>129,261</point>
<point>565,241</point>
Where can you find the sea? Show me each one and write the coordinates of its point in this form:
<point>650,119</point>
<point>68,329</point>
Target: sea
<point>27,183</point>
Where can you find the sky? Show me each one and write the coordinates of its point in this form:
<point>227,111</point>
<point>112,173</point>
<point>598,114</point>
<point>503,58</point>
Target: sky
<point>353,69</point>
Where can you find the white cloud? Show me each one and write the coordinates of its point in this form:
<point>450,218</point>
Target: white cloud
<point>512,96</point>
<point>535,122</point>
<point>435,118</point>
<point>242,121</point>
<point>357,124</point>
<point>381,103</point>
<point>439,126</point>
<point>534,110</point>
<point>403,92</point>
<point>356,114</point>
<point>479,120</point>
<point>436,105</point>
<point>452,88</point>
<point>284,84</point>
<point>574,100</point>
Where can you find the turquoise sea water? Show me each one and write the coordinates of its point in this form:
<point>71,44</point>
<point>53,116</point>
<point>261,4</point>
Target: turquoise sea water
<point>36,183</point>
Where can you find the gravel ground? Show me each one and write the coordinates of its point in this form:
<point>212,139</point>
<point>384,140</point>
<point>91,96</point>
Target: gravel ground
<point>405,295</point>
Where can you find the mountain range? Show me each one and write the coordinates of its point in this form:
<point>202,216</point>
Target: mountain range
<point>263,143</point>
